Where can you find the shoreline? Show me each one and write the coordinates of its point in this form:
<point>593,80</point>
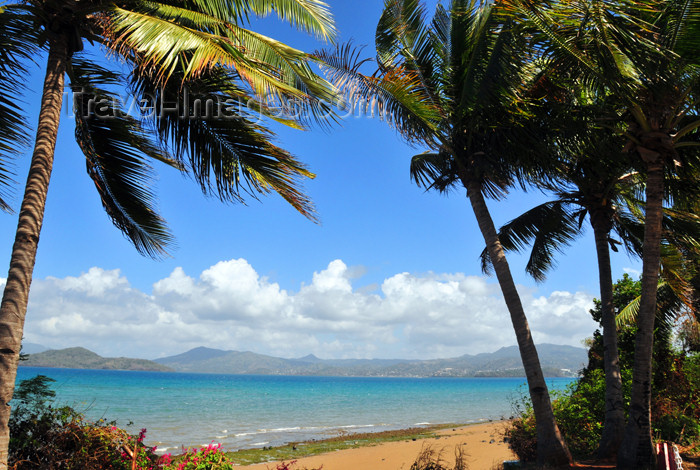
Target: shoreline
<point>482,443</point>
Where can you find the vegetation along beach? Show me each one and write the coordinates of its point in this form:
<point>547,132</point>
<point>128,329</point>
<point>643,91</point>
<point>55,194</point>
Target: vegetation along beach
<point>387,234</point>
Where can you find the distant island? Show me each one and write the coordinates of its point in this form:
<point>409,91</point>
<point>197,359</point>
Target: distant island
<point>556,360</point>
<point>81,358</point>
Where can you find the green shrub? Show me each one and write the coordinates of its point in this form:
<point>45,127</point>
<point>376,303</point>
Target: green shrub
<point>676,405</point>
<point>47,438</point>
<point>522,438</point>
<point>205,458</point>
<point>579,411</point>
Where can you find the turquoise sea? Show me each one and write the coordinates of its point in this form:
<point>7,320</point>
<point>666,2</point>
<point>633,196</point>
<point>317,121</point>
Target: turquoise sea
<point>243,411</point>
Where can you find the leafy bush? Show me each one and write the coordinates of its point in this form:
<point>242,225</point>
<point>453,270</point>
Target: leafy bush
<point>61,438</point>
<point>522,437</point>
<point>676,408</point>
<point>206,458</point>
<point>33,424</point>
<point>579,411</point>
<point>47,438</point>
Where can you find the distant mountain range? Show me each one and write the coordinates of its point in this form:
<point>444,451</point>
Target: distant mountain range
<point>556,360</point>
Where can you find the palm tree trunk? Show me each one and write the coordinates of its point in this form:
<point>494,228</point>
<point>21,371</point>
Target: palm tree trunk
<point>613,429</point>
<point>551,448</point>
<point>637,451</point>
<point>16,295</point>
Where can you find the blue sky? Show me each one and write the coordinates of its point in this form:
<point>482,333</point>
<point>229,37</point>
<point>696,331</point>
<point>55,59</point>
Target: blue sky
<point>391,271</point>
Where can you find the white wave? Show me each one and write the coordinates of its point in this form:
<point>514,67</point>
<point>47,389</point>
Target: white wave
<point>295,428</point>
<point>243,434</point>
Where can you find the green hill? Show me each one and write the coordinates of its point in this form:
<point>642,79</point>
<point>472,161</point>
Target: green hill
<point>81,358</point>
<point>556,360</point>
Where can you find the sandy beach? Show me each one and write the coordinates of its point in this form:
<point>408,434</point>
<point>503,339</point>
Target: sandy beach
<point>482,443</point>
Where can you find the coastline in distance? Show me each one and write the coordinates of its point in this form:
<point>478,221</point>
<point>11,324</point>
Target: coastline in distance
<point>556,360</point>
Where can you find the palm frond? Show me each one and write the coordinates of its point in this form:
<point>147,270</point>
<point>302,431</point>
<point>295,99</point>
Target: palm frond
<point>403,39</point>
<point>394,95</point>
<point>224,151</point>
<point>678,20</point>
<point>313,16</point>
<point>669,307</point>
<point>602,41</point>
<point>628,315</point>
<point>679,245</point>
<point>116,150</point>
<point>549,228</point>
<point>434,171</point>
<point>483,58</point>
<point>18,43</point>
<point>163,43</point>
<point>172,37</point>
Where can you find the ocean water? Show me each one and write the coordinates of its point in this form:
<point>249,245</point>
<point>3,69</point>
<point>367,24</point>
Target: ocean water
<point>244,411</point>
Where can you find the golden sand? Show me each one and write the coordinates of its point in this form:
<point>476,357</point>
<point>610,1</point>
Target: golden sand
<point>483,445</point>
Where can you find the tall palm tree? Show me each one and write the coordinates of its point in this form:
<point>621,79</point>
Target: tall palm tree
<point>598,185</point>
<point>590,180</point>
<point>464,71</point>
<point>644,56</point>
<point>188,53</point>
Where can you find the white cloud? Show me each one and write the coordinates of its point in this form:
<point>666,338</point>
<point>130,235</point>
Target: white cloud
<point>230,306</point>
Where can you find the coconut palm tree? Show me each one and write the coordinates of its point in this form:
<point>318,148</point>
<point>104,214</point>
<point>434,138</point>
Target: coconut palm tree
<point>589,181</point>
<point>643,56</point>
<point>602,190</point>
<point>464,71</point>
<point>191,53</point>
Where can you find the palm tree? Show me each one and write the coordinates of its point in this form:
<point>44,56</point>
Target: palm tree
<point>643,55</point>
<point>170,48</point>
<point>598,186</point>
<point>453,84</point>
<point>587,182</point>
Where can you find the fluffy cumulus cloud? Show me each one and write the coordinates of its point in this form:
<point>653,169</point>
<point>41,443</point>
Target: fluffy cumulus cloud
<point>230,306</point>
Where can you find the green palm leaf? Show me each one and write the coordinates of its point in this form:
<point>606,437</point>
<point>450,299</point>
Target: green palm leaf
<point>549,228</point>
<point>313,16</point>
<point>434,171</point>
<point>18,43</point>
<point>172,37</point>
<point>680,20</point>
<point>395,95</point>
<point>116,149</point>
<point>226,152</point>
<point>668,309</point>
<point>168,45</point>
<point>402,39</point>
